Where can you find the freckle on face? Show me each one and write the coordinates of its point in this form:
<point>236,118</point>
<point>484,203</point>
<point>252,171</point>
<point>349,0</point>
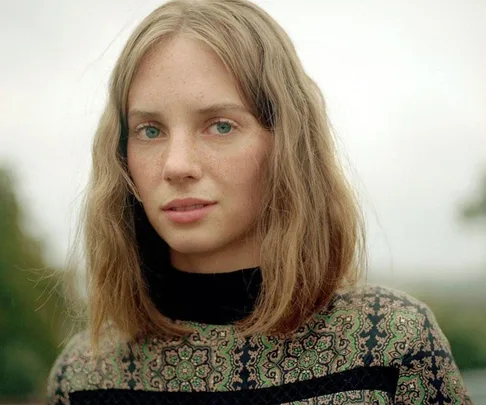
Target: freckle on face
<point>178,77</point>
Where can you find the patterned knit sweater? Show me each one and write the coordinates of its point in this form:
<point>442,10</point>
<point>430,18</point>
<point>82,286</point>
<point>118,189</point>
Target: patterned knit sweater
<point>373,346</point>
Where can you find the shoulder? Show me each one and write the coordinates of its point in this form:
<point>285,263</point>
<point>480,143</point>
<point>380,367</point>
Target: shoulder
<point>382,303</point>
<point>60,375</point>
<point>384,323</point>
<point>384,300</point>
<point>391,328</point>
<point>77,368</point>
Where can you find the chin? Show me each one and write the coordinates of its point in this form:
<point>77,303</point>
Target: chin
<point>190,246</point>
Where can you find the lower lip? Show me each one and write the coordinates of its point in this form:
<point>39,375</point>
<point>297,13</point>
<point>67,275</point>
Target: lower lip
<point>185,217</point>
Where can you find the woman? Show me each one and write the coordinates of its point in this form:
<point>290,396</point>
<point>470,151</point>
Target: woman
<point>224,245</point>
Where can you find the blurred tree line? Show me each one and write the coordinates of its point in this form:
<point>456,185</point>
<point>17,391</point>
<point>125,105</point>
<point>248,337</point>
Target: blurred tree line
<point>461,310</point>
<point>33,322</point>
<point>467,333</point>
<point>31,306</point>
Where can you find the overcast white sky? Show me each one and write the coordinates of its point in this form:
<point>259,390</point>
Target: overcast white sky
<point>405,83</point>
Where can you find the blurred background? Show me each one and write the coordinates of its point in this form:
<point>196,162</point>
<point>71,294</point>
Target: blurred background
<point>405,84</point>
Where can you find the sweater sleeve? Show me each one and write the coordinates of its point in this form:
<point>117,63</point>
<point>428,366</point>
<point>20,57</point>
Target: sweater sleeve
<point>59,381</point>
<point>428,372</point>
<point>55,394</point>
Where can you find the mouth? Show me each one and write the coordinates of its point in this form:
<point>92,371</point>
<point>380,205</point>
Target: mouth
<point>189,214</point>
<point>188,208</point>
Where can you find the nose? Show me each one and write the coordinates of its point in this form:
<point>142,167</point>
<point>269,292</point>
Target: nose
<point>181,158</point>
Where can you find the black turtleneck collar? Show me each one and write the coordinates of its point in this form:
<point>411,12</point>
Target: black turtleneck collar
<point>219,298</point>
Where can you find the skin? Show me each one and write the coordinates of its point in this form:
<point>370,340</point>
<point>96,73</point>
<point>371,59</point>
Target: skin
<point>181,153</point>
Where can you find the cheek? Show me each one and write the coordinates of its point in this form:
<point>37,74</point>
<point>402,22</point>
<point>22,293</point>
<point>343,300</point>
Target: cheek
<point>243,176</point>
<point>132,160</point>
<point>133,165</point>
<point>139,169</point>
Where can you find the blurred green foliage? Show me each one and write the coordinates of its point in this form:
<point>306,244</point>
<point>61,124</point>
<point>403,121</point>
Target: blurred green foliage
<point>31,307</point>
<point>462,318</point>
<point>465,322</point>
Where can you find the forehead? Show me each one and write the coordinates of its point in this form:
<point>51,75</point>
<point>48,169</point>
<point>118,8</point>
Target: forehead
<point>181,70</point>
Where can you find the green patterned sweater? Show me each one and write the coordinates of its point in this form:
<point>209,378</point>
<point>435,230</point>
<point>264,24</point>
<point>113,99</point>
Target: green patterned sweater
<point>376,346</point>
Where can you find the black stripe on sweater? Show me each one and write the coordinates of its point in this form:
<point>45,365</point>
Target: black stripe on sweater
<point>362,378</point>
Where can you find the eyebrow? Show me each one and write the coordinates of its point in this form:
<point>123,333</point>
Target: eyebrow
<point>212,109</point>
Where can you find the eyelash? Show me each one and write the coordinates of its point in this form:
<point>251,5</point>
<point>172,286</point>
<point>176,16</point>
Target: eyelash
<point>234,126</point>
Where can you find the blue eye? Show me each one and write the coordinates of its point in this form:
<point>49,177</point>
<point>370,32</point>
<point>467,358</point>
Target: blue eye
<point>148,130</point>
<point>223,127</point>
<point>151,132</point>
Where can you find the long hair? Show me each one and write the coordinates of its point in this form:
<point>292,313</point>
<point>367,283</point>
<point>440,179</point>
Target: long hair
<point>310,225</point>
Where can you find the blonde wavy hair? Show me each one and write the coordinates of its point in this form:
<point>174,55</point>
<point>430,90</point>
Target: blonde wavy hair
<point>310,226</point>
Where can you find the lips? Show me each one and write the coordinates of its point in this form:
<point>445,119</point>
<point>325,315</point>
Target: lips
<point>186,202</point>
<point>188,208</point>
<point>188,214</point>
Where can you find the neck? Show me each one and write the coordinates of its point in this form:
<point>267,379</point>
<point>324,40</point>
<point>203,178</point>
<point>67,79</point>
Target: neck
<point>237,256</point>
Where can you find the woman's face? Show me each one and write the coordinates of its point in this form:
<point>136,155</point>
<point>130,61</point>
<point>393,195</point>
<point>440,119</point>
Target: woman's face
<point>190,136</point>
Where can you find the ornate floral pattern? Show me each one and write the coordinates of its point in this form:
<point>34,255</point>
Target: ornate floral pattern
<point>370,327</point>
<point>348,398</point>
